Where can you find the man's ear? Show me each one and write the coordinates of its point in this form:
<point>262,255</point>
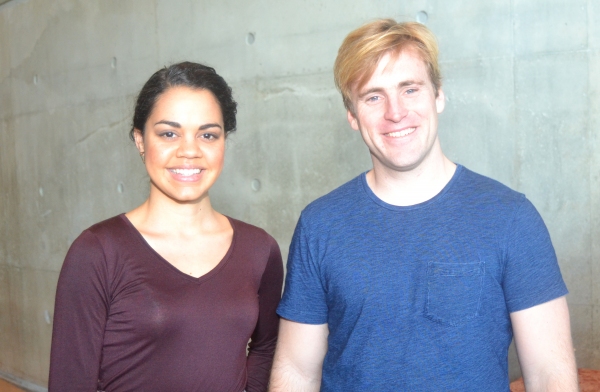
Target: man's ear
<point>440,101</point>
<point>352,120</point>
<point>139,140</point>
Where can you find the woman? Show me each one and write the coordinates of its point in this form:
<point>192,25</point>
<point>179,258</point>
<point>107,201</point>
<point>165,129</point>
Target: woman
<point>167,296</point>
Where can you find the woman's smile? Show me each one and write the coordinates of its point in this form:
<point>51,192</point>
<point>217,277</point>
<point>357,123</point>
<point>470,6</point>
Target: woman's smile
<point>187,175</point>
<point>183,144</point>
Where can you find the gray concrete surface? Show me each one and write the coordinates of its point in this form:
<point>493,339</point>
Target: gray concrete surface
<point>522,79</point>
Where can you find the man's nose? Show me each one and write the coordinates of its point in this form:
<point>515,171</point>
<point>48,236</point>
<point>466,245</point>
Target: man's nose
<point>395,110</point>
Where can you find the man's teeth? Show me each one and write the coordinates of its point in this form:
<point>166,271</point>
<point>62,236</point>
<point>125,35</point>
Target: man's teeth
<point>402,133</point>
<point>186,172</point>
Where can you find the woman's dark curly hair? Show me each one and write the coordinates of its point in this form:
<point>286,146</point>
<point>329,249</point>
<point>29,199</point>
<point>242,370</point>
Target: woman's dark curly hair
<point>187,74</point>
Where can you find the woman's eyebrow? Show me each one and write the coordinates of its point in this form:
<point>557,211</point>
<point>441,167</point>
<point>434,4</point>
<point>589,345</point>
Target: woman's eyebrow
<point>209,125</point>
<point>175,124</point>
<point>170,123</point>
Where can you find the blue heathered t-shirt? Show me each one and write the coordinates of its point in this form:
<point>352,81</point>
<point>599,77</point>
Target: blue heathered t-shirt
<point>418,298</point>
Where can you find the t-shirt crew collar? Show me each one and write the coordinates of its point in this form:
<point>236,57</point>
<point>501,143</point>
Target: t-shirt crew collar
<point>371,195</point>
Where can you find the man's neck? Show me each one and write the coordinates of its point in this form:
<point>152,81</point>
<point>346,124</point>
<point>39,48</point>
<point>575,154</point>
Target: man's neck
<point>407,188</point>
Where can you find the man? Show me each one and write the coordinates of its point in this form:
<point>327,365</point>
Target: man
<point>415,275</point>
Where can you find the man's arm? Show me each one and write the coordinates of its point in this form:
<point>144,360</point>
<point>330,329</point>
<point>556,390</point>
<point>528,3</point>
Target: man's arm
<point>543,340</point>
<point>299,356</point>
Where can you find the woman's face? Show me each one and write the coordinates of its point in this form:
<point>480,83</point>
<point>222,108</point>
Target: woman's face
<point>183,144</point>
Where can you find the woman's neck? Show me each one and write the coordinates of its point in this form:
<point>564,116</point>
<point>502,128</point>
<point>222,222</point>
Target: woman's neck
<point>161,214</point>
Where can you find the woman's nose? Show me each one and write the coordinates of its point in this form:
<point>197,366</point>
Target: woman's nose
<point>189,148</point>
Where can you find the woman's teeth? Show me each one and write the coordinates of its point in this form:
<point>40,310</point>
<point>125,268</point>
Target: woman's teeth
<point>186,172</point>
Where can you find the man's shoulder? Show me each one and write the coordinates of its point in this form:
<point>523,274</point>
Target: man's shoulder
<point>336,202</point>
<point>481,187</point>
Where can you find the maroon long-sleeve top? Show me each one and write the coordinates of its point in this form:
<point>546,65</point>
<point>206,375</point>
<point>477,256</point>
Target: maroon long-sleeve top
<point>125,319</point>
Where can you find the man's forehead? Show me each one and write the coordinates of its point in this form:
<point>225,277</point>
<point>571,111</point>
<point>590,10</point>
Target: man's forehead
<point>387,62</point>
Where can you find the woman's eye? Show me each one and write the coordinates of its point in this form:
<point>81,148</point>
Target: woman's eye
<point>168,135</point>
<point>208,136</point>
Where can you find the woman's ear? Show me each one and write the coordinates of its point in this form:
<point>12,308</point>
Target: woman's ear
<point>139,140</point>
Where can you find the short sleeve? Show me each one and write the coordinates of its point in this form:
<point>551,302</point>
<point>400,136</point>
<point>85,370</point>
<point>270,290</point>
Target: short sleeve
<point>304,295</point>
<point>531,275</point>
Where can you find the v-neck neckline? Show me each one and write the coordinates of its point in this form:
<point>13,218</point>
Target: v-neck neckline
<point>202,278</point>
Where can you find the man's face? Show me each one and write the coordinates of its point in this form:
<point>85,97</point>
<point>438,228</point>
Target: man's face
<point>396,113</point>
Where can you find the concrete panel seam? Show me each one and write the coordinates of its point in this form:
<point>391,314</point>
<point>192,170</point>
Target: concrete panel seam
<point>6,3</point>
<point>23,384</point>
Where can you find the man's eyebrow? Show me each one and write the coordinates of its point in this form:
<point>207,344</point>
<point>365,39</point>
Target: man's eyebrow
<point>369,91</point>
<point>402,84</point>
<point>411,82</point>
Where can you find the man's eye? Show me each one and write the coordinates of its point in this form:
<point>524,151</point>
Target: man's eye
<point>374,98</point>
<point>411,91</point>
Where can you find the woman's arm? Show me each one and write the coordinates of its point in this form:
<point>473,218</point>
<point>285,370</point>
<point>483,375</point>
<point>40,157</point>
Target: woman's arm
<point>264,338</point>
<point>80,312</point>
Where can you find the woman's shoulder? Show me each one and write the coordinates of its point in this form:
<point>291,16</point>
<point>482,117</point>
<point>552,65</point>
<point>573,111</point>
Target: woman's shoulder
<point>114,224</point>
<point>248,230</point>
<point>249,233</point>
<point>254,243</point>
<point>107,233</point>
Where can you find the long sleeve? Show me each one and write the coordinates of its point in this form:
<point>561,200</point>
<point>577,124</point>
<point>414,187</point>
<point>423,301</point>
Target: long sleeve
<point>80,312</point>
<point>264,338</point>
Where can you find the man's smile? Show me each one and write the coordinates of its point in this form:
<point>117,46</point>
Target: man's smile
<point>402,133</point>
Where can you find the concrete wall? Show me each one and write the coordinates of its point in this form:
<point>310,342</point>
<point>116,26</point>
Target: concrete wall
<point>521,77</point>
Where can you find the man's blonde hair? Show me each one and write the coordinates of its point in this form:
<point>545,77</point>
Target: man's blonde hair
<point>362,49</point>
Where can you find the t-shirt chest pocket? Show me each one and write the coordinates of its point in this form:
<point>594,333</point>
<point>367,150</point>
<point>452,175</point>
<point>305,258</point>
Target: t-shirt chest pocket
<point>453,291</point>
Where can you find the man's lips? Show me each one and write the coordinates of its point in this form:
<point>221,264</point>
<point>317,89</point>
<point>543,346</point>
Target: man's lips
<point>401,133</point>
